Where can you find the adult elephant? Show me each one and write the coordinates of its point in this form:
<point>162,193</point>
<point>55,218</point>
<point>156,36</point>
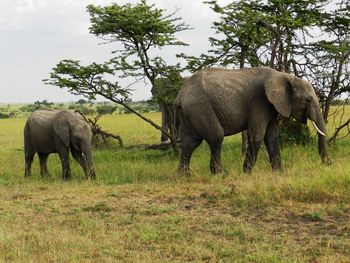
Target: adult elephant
<point>219,102</point>
<point>58,131</point>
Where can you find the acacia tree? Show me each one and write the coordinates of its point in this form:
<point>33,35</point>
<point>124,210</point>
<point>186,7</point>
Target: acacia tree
<point>259,33</point>
<point>240,40</point>
<point>137,31</point>
<point>164,92</point>
<point>328,59</point>
<point>328,63</point>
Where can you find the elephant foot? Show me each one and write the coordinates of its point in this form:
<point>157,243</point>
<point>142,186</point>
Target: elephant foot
<point>326,160</point>
<point>66,176</point>
<point>27,170</point>
<point>91,175</point>
<point>216,170</point>
<point>276,167</point>
<point>247,168</point>
<point>184,170</point>
<point>45,175</point>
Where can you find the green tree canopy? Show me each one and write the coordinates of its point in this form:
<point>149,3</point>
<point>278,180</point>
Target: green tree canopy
<point>137,31</point>
<point>138,28</point>
<point>259,33</point>
<point>328,57</point>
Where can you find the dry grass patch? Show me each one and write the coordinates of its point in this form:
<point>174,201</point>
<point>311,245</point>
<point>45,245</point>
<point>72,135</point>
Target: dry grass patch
<point>182,222</point>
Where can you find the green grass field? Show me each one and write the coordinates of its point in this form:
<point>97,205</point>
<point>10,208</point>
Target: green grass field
<point>140,210</point>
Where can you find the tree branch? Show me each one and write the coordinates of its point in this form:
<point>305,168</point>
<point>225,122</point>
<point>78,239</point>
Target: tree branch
<point>337,130</point>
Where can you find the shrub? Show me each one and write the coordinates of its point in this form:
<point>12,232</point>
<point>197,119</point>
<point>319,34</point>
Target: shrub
<point>82,108</point>
<point>4,115</point>
<point>103,109</point>
<point>294,132</point>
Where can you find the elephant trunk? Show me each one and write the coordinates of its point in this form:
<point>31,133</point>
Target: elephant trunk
<point>87,155</point>
<point>317,120</point>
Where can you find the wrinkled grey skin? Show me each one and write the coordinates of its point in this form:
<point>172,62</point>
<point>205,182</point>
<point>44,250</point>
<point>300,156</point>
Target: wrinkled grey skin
<point>219,102</point>
<point>58,131</point>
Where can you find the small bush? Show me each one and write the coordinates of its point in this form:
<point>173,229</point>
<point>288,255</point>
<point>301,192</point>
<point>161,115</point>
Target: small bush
<point>4,115</point>
<point>294,133</point>
<point>82,108</point>
<point>105,109</point>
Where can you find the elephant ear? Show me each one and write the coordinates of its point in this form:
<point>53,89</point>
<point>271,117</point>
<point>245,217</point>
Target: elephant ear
<point>278,91</point>
<point>61,127</point>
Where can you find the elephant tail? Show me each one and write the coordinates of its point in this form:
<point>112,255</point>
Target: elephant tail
<point>177,114</point>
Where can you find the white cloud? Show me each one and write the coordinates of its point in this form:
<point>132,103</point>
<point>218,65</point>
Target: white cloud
<point>23,6</point>
<point>39,33</point>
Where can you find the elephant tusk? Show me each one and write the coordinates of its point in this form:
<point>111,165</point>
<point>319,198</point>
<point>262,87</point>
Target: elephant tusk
<point>84,157</point>
<point>318,130</point>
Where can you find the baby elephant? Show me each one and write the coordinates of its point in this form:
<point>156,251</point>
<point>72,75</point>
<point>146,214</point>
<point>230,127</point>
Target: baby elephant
<point>56,131</point>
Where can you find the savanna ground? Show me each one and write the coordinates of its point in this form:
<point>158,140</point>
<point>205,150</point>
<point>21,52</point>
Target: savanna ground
<point>140,210</point>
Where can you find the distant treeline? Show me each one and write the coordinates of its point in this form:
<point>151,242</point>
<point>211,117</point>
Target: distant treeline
<point>86,107</point>
<point>340,102</point>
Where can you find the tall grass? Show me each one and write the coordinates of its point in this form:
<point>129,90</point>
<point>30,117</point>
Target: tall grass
<point>302,169</point>
<point>130,164</point>
<point>140,210</point>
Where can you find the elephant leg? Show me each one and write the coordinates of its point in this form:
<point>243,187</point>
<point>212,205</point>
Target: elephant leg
<point>77,155</point>
<point>251,155</point>
<point>244,145</point>
<point>63,153</point>
<point>188,145</point>
<point>29,156</point>
<point>215,158</point>
<point>43,164</point>
<point>254,143</point>
<point>271,142</point>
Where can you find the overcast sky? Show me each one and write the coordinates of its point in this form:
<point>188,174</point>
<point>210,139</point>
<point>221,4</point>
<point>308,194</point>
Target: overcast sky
<point>36,34</point>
